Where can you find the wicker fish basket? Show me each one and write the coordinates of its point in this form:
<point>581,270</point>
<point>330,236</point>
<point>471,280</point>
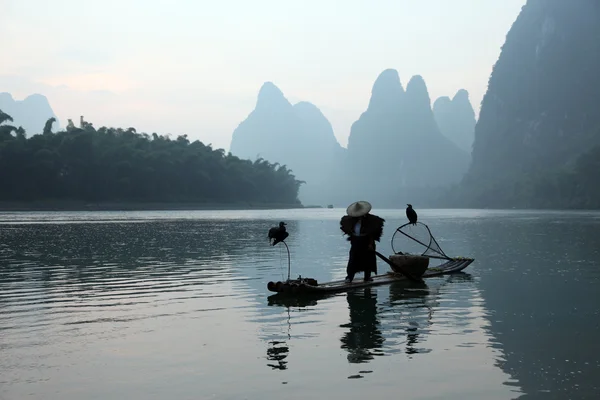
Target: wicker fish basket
<point>416,265</point>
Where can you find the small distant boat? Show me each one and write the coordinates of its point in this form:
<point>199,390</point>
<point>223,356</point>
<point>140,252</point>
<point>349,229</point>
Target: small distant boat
<point>330,206</point>
<point>405,267</point>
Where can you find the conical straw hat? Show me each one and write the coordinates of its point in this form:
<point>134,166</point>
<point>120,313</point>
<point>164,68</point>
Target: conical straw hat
<point>358,209</point>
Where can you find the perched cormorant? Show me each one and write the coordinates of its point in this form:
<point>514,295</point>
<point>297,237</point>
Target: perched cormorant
<point>278,233</point>
<point>411,214</point>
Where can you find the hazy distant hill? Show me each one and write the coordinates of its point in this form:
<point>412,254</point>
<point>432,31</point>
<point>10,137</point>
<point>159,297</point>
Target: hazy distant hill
<point>298,136</point>
<point>456,119</point>
<point>540,112</point>
<point>396,151</point>
<point>30,113</point>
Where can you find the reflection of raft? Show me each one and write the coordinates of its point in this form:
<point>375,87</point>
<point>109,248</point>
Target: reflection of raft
<point>414,264</point>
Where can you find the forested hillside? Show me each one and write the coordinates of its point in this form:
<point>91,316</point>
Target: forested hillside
<point>108,164</point>
<point>536,141</point>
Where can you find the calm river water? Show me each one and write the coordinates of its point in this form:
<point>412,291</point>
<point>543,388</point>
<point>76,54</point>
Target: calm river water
<point>174,305</point>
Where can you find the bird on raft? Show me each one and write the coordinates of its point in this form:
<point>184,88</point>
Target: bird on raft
<point>411,214</point>
<point>278,233</point>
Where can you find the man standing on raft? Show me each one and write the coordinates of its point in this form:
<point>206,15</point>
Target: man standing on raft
<point>363,229</point>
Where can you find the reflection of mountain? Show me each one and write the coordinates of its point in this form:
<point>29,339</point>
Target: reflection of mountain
<point>540,287</point>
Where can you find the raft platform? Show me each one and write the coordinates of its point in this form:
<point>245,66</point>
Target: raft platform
<point>308,285</point>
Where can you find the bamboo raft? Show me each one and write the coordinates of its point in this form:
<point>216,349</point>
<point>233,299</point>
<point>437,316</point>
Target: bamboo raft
<point>308,285</point>
<point>404,267</point>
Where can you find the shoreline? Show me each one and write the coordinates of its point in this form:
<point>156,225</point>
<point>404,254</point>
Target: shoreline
<point>64,205</point>
<point>140,206</point>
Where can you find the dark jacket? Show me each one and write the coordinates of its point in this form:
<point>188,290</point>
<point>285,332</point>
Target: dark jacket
<point>362,247</point>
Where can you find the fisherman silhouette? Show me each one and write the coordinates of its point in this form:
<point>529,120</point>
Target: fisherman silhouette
<point>363,230</point>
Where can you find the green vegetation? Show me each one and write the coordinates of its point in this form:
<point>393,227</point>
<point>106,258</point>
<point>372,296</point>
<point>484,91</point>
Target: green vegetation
<point>116,165</point>
<point>537,137</point>
<point>572,186</point>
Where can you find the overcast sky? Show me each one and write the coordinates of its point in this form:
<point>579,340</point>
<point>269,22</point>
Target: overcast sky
<point>195,66</point>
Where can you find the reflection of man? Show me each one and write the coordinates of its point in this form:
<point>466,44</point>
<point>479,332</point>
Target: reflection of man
<point>363,229</point>
<point>364,333</point>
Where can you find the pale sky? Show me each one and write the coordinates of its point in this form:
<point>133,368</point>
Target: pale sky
<point>195,67</point>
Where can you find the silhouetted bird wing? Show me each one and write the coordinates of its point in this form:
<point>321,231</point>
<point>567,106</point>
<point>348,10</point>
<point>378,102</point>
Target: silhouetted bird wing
<point>280,237</point>
<point>411,214</point>
<point>273,232</point>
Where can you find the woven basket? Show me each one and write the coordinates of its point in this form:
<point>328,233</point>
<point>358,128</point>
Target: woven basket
<point>416,265</point>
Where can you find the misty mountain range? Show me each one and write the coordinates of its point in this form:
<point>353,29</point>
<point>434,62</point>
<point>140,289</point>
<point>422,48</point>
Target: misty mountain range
<point>398,144</point>
<point>536,143</point>
<point>31,113</point>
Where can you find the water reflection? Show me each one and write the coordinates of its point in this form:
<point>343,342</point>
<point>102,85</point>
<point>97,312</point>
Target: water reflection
<point>279,350</point>
<point>382,320</point>
<point>83,304</point>
<point>540,285</point>
<point>363,340</point>
<point>416,296</point>
<point>306,300</point>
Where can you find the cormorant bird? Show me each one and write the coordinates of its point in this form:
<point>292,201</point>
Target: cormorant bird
<point>278,233</point>
<point>411,214</point>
